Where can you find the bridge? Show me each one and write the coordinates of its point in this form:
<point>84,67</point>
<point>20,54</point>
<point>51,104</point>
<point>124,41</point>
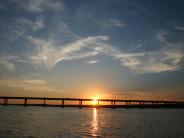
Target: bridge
<point>111,103</point>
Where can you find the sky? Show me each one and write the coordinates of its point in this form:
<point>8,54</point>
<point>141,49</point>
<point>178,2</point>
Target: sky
<point>124,49</point>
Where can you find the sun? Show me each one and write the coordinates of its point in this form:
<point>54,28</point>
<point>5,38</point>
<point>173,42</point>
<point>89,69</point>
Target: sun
<point>94,102</point>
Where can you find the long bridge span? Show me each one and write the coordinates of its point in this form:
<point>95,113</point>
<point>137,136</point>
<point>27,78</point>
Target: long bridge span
<point>110,103</point>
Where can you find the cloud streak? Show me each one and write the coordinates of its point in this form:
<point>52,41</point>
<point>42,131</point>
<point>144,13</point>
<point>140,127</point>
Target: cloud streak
<point>38,6</point>
<point>35,85</point>
<point>6,65</point>
<point>50,53</point>
<point>111,24</point>
<point>180,28</point>
<point>93,61</point>
<point>26,24</point>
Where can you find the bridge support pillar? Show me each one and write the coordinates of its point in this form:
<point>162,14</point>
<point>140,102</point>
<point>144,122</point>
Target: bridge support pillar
<point>63,103</point>
<point>5,101</point>
<point>114,104</point>
<point>44,102</point>
<point>98,103</point>
<point>25,102</point>
<point>111,103</point>
<point>80,103</point>
<point>126,104</point>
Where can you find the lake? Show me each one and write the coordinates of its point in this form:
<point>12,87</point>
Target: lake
<point>56,122</point>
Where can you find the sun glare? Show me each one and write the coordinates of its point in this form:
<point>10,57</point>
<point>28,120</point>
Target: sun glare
<point>94,102</point>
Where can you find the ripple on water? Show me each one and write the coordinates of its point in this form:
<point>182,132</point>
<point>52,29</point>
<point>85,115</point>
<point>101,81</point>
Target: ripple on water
<point>39,122</point>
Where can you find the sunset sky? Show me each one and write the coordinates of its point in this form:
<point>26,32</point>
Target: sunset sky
<point>92,48</point>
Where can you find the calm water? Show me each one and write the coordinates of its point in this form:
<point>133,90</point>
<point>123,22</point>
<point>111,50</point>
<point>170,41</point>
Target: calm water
<point>51,122</point>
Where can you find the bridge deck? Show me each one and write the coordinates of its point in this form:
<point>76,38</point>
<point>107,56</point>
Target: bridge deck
<point>112,102</point>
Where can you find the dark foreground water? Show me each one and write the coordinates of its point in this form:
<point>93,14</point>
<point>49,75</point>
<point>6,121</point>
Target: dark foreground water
<point>54,122</point>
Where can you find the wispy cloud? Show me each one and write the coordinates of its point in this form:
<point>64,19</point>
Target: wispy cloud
<point>93,61</point>
<point>6,65</point>
<point>49,53</point>
<point>27,84</point>
<point>159,61</point>
<point>168,58</point>
<point>180,28</point>
<point>111,24</point>
<point>161,35</point>
<point>37,6</point>
<point>26,24</point>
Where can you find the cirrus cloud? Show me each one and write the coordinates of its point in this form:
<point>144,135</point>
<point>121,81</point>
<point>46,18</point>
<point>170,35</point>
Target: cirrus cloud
<point>38,6</point>
<point>50,53</point>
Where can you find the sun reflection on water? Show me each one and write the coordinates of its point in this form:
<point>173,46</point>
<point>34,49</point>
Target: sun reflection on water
<point>94,123</point>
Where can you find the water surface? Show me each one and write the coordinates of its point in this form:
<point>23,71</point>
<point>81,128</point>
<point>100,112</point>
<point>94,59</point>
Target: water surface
<point>55,122</point>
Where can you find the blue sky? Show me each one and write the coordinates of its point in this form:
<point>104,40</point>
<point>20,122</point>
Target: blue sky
<point>119,48</point>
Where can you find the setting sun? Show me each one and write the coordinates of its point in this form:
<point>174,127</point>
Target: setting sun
<point>94,102</point>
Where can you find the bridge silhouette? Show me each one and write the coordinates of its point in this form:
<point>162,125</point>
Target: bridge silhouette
<point>112,103</point>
